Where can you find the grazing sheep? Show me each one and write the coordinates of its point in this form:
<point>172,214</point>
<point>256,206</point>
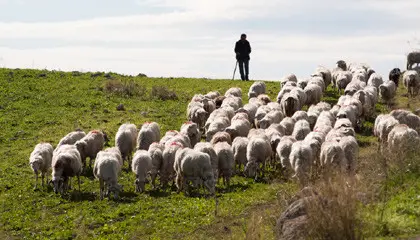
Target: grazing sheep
<point>256,89</point>
<point>315,140</point>
<point>117,154</point>
<point>167,172</point>
<point>192,131</point>
<point>258,150</point>
<point>384,123</point>
<point>301,129</point>
<point>302,83</point>
<point>368,107</point>
<point>407,117</point>
<point>313,94</point>
<point>413,58</point>
<point>260,114</point>
<point>219,124</point>
<point>394,75</point>
<point>156,153</point>
<point>141,165</point>
<point>288,78</point>
<point>270,118</point>
<point>234,91</point>
<point>90,145</point>
<point>290,104</point>
<point>318,81</point>
<point>372,93</point>
<point>72,138</point>
<point>251,110</point>
<point>332,156</point>
<point>349,112</point>
<point>351,152</point>
<point>387,91</point>
<point>218,113</point>
<point>342,79</point>
<point>221,137</point>
<point>301,159</point>
<point>198,115</point>
<point>288,124</point>
<point>148,134</point>
<point>264,98</point>
<point>375,80</point>
<point>300,115</point>
<point>324,73</point>
<point>212,95</point>
<point>255,101</point>
<point>283,91</point>
<point>411,80</point>
<point>206,147</point>
<point>301,95</point>
<point>66,163</point>
<point>125,140</point>
<point>195,167</point>
<point>274,106</point>
<point>354,86</point>
<point>239,126</point>
<point>402,141</point>
<point>226,161</point>
<point>232,101</point>
<point>239,146</point>
<point>168,135</point>
<point>283,151</point>
<point>40,160</point>
<point>106,169</point>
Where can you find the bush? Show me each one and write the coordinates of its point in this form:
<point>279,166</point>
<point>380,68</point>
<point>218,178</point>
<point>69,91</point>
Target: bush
<point>163,93</point>
<point>125,88</point>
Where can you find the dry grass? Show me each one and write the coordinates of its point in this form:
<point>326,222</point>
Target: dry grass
<point>163,93</point>
<point>124,88</point>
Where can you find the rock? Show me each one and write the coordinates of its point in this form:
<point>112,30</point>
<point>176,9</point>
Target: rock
<point>120,107</point>
<point>107,111</point>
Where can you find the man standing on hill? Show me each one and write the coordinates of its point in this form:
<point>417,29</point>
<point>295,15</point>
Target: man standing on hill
<point>242,50</point>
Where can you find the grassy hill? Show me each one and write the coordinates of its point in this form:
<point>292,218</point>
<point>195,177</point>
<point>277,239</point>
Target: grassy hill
<point>38,105</point>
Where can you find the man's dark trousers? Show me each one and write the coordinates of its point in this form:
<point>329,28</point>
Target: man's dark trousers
<point>242,63</point>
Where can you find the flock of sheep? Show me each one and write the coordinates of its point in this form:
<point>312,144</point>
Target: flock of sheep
<point>251,135</point>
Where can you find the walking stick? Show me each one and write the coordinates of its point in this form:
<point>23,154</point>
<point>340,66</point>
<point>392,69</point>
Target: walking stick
<point>236,65</point>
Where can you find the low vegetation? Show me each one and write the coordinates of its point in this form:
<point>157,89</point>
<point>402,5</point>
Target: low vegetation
<point>40,106</point>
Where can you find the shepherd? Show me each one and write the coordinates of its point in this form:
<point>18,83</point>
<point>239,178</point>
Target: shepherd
<point>242,50</point>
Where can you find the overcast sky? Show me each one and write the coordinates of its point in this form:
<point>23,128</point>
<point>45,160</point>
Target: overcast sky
<point>195,38</point>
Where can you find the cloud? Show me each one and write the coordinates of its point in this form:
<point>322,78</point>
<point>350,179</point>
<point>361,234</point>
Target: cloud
<point>195,38</point>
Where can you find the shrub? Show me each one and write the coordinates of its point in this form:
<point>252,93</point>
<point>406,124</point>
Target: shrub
<point>163,93</point>
<point>124,88</point>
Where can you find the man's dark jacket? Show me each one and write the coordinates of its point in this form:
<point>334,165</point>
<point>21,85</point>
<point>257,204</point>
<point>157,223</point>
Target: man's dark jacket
<point>243,48</point>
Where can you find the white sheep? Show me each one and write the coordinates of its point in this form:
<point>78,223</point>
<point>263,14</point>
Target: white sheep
<point>313,94</point>
<point>234,91</point>
<point>264,99</point>
<point>90,145</point>
<point>351,152</point>
<point>342,79</point>
<point>288,78</point>
<point>384,123</point>
<point>411,80</point>
<point>232,101</point>
<point>354,86</point>
<point>332,156</point>
<point>318,81</point>
<point>206,147</point>
<point>256,89</point>
<point>324,73</point>
<point>407,117</point>
<point>195,167</point>
<point>141,165</point>
<point>283,91</point>
<point>375,80</point>
<point>40,160</point>
<point>212,95</point>
<point>106,170</point>
<point>283,151</point>
<point>301,129</point>
<point>125,141</point>
<point>192,131</point>
<point>226,161</point>
<point>301,159</point>
<point>117,154</point>
<point>239,126</point>
<point>288,124</point>
<point>66,163</point>
<point>402,141</point>
<point>260,114</point>
<point>239,146</point>
<point>198,115</point>
<point>167,172</point>
<point>219,124</point>
<point>168,135</point>
<point>148,134</point>
<point>349,112</point>
<point>72,138</point>
<point>270,118</point>
<point>290,103</point>
<point>387,91</point>
<point>300,115</point>
<point>251,110</point>
<point>156,153</point>
<point>258,151</point>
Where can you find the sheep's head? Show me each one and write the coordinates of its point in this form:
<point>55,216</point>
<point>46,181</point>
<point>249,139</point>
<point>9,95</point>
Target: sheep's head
<point>342,64</point>
<point>35,165</point>
<point>139,185</point>
<point>58,184</point>
<point>264,123</point>
<point>252,94</point>
<point>209,183</point>
<point>251,168</point>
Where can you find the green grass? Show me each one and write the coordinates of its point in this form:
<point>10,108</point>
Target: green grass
<point>40,106</point>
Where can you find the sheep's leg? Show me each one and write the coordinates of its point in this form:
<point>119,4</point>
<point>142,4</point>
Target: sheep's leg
<point>101,188</point>
<point>78,181</point>
<point>42,177</point>
<point>36,181</point>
